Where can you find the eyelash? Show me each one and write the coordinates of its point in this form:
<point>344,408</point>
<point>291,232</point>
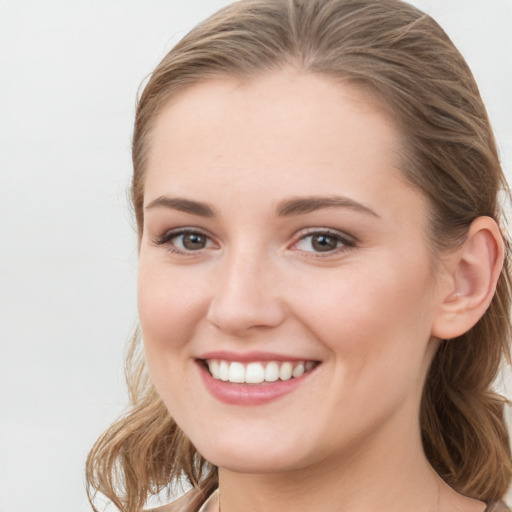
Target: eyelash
<point>168,236</point>
<point>344,242</point>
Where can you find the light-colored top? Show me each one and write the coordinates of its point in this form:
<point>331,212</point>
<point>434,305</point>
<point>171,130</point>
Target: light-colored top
<point>212,503</point>
<point>188,503</point>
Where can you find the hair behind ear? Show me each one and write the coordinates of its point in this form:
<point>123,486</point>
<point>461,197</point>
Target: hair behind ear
<point>462,418</point>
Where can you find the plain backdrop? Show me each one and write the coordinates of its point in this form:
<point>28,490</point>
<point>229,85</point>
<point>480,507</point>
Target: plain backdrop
<point>69,74</point>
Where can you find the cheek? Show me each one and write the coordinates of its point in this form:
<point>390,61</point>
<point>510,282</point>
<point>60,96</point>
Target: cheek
<point>378,332</point>
<point>373,318</point>
<point>170,308</point>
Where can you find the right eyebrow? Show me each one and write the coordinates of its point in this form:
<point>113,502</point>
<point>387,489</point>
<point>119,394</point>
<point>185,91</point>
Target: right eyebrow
<point>302,205</point>
<point>183,205</point>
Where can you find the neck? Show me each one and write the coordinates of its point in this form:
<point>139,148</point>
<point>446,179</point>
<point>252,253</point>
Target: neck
<point>383,477</point>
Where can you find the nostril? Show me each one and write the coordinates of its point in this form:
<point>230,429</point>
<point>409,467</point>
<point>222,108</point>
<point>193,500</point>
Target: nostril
<point>237,317</point>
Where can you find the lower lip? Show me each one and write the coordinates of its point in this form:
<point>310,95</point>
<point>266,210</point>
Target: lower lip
<point>249,394</point>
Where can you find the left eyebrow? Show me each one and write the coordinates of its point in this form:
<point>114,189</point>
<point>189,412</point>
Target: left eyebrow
<point>301,205</point>
<point>183,205</point>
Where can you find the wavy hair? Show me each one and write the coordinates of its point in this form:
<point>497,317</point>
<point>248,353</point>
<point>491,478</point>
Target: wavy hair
<point>409,63</point>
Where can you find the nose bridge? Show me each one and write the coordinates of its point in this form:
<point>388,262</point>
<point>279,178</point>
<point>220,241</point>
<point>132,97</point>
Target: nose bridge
<point>246,291</point>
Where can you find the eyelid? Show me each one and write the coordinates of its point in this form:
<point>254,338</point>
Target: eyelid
<point>348,241</point>
<point>166,237</point>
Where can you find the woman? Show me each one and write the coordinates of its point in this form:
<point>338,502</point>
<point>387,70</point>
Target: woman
<point>323,285</point>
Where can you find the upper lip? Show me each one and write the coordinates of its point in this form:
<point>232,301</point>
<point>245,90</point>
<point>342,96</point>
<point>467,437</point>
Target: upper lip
<point>247,357</point>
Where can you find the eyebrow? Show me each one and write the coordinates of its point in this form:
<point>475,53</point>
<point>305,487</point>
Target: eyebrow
<point>290,207</point>
<point>182,205</point>
<point>301,205</point>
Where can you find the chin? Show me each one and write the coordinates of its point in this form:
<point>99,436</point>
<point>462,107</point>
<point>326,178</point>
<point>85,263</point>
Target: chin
<point>246,456</point>
<point>254,463</point>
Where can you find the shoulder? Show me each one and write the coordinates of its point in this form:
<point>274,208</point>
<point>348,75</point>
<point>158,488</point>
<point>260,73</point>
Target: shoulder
<point>497,506</point>
<point>189,502</point>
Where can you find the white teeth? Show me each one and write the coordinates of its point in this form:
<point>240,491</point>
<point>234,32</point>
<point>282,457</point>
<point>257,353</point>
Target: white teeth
<point>224,370</point>
<point>298,370</point>
<point>214,369</point>
<point>272,372</point>
<point>286,371</point>
<point>256,372</point>
<point>236,372</point>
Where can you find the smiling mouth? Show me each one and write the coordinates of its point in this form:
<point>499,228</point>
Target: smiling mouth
<point>257,372</point>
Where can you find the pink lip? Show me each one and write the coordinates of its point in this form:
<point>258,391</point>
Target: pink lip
<point>247,357</point>
<point>248,394</point>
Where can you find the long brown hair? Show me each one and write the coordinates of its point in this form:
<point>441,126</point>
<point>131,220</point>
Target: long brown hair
<point>408,62</point>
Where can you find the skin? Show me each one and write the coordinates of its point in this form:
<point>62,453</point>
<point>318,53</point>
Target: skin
<point>369,311</point>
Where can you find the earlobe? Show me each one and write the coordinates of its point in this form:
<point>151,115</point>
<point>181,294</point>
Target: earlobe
<point>474,270</point>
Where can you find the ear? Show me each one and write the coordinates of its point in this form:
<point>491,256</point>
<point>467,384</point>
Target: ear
<point>472,273</point>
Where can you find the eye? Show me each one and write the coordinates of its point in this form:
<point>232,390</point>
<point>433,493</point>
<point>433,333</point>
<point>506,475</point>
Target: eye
<point>184,240</point>
<point>325,241</point>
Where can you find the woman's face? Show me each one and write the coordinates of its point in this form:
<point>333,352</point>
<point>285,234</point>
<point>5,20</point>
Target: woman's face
<point>279,239</point>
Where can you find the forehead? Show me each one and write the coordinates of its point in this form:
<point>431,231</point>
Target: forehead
<point>255,142</point>
<point>246,147</point>
<point>285,115</point>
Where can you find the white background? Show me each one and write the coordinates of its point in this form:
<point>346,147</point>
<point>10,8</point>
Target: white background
<point>69,73</point>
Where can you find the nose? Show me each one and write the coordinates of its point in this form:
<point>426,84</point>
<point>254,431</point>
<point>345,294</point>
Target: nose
<point>246,296</point>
